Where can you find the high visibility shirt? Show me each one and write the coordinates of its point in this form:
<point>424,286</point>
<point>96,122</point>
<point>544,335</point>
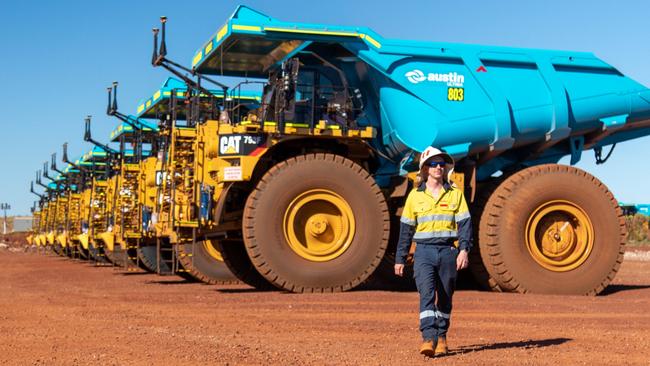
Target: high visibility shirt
<point>434,220</point>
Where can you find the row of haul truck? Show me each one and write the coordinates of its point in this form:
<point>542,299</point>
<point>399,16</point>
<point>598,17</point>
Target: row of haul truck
<point>295,177</point>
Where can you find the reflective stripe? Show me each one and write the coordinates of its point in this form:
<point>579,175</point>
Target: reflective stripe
<point>436,234</point>
<point>407,221</point>
<point>442,315</point>
<point>463,216</point>
<point>438,217</point>
<point>434,313</point>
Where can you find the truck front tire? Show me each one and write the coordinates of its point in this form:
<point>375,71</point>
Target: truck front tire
<point>316,223</point>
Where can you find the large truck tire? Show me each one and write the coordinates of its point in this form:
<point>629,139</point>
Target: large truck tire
<point>316,223</point>
<point>236,259</point>
<point>204,261</point>
<point>118,257</point>
<point>96,253</point>
<point>148,258</point>
<point>58,249</point>
<point>133,253</point>
<point>476,266</point>
<point>552,229</point>
<point>82,253</point>
<point>113,258</point>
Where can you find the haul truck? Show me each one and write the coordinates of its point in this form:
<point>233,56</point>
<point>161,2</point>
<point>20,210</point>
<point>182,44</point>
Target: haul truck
<point>94,199</point>
<point>47,236</point>
<point>38,214</point>
<point>147,188</point>
<point>45,233</point>
<point>68,210</point>
<point>79,174</point>
<point>81,234</point>
<point>176,211</point>
<point>75,176</point>
<point>53,211</point>
<point>125,216</point>
<point>40,237</point>
<point>122,214</point>
<point>60,242</point>
<point>32,238</point>
<point>61,199</point>
<point>313,179</point>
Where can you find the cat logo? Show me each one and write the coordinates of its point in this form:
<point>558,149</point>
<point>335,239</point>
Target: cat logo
<point>229,144</point>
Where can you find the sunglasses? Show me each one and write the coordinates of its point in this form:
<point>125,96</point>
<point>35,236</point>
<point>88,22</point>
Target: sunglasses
<point>436,163</point>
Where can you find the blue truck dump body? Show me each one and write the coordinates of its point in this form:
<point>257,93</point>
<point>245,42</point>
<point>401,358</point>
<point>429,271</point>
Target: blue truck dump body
<point>509,106</point>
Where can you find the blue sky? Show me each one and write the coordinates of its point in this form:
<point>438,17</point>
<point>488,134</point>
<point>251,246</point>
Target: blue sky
<point>57,58</point>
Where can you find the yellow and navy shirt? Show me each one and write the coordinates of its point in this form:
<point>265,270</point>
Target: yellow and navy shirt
<point>434,220</point>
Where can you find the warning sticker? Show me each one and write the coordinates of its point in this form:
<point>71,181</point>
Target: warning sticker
<point>232,173</point>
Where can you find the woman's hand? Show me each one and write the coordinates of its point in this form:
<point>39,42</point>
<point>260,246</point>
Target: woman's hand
<point>462,261</point>
<point>399,270</point>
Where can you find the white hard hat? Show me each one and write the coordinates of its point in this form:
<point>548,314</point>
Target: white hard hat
<point>431,151</point>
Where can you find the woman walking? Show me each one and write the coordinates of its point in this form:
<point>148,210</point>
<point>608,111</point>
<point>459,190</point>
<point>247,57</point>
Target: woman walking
<point>435,216</point>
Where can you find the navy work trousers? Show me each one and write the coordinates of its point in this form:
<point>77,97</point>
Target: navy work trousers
<point>435,277</point>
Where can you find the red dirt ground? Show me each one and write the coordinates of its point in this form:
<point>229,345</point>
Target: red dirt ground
<point>54,311</point>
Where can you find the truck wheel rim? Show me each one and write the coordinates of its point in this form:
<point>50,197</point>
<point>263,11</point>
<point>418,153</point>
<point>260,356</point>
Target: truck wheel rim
<point>319,225</point>
<point>212,251</point>
<point>559,236</point>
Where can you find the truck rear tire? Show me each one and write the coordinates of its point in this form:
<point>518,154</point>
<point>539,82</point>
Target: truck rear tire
<point>552,229</point>
<point>96,253</point>
<point>147,258</point>
<point>316,223</point>
<point>82,253</point>
<point>205,262</point>
<point>58,249</point>
<point>114,257</point>
<point>236,259</point>
<point>134,256</point>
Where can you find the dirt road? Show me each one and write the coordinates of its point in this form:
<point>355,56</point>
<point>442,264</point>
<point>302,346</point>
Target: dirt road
<point>54,311</point>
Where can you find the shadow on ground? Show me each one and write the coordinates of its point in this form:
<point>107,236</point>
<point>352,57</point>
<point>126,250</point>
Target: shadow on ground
<point>529,344</point>
<point>612,289</point>
<point>249,290</point>
<point>133,273</point>
<point>180,281</point>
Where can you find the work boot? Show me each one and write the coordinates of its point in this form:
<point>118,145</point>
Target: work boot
<point>441,347</point>
<point>427,348</point>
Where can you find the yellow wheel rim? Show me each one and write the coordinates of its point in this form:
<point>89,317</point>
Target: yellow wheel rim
<point>319,225</point>
<point>559,236</point>
<point>212,250</point>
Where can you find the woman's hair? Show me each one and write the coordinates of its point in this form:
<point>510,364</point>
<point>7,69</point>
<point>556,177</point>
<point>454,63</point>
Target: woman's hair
<point>421,177</point>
